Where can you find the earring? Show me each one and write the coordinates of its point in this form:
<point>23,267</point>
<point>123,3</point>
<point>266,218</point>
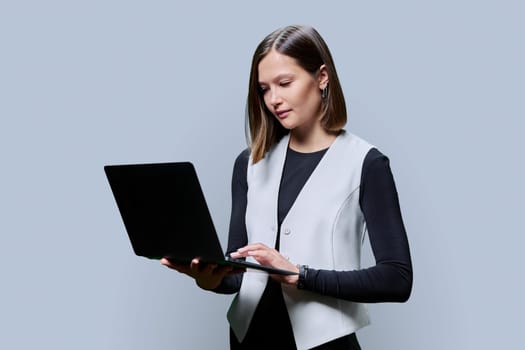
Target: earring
<point>324,92</point>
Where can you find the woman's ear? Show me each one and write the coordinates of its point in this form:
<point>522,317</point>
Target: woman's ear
<point>322,77</point>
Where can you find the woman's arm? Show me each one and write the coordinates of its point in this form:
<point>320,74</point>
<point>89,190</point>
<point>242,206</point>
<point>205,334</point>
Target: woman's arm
<point>237,236</point>
<point>390,280</point>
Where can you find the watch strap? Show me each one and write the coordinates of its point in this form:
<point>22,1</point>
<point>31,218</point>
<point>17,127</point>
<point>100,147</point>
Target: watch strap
<point>303,273</point>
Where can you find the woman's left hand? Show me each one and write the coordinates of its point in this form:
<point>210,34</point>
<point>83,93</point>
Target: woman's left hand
<point>269,257</point>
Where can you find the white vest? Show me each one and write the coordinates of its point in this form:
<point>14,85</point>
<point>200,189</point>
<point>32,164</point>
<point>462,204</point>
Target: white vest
<point>324,229</point>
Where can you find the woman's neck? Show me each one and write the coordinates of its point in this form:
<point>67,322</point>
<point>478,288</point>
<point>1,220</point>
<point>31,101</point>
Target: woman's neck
<point>313,140</point>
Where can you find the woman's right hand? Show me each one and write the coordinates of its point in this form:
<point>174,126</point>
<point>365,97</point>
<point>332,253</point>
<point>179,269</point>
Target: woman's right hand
<point>207,276</point>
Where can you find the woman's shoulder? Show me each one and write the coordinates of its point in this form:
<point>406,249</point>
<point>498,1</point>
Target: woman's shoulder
<point>243,157</point>
<point>376,165</point>
<point>374,154</point>
<point>241,161</point>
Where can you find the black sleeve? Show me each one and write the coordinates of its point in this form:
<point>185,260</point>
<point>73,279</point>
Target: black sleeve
<point>237,236</point>
<point>391,277</point>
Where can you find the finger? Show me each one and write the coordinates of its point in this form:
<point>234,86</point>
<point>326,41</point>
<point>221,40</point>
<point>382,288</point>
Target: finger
<point>254,246</point>
<point>199,267</point>
<point>208,268</point>
<point>268,253</point>
<point>167,263</point>
<point>272,258</point>
<point>250,249</point>
<point>178,267</point>
<point>237,255</point>
<point>244,253</point>
<point>194,266</point>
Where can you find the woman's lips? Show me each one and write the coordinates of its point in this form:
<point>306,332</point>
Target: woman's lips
<point>282,114</point>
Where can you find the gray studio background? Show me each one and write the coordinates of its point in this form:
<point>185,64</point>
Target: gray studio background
<point>437,86</point>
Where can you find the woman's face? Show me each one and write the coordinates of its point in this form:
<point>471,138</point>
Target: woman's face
<point>291,93</point>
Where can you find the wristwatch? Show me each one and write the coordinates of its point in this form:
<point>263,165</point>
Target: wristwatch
<point>303,272</point>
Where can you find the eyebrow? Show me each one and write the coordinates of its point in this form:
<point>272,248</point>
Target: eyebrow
<point>279,77</point>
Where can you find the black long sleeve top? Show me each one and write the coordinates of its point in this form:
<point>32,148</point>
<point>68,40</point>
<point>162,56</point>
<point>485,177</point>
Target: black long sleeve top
<point>389,280</point>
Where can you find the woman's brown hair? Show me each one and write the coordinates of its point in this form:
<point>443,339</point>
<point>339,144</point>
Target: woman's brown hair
<point>310,51</point>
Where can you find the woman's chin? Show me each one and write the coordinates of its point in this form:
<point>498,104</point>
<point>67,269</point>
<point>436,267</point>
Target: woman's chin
<point>287,125</point>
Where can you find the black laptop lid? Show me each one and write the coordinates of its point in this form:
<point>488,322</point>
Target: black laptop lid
<point>164,211</point>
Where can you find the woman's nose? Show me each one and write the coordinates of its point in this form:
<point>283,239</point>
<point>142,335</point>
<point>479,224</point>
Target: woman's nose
<point>275,98</point>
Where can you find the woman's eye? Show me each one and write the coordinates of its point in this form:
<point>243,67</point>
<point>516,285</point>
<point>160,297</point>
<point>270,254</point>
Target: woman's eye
<point>263,89</point>
<point>285,83</point>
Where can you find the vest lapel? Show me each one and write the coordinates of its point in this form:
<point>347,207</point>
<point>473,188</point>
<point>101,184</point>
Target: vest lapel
<point>322,164</point>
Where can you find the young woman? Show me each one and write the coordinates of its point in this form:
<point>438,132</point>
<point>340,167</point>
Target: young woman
<point>305,193</point>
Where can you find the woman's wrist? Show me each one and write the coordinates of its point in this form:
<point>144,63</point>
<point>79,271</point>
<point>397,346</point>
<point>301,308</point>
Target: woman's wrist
<point>303,273</point>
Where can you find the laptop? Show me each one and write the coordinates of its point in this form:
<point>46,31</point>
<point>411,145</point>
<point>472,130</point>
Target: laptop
<point>166,215</point>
